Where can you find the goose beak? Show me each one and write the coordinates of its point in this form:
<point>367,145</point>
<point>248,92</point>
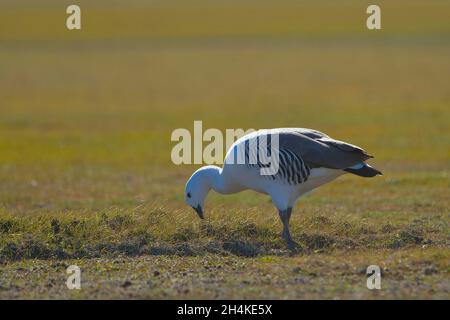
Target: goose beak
<point>199,211</point>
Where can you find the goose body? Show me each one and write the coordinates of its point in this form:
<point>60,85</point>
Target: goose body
<point>306,159</point>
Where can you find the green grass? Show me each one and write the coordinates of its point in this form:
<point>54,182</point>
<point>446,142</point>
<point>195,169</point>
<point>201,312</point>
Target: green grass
<point>85,170</point>
<point>406,274</point>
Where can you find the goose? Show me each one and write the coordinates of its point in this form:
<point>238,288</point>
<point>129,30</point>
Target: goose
<point>307,159</point>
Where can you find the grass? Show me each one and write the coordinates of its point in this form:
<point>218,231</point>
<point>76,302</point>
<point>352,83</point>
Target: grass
<point>406,274</point>
<point>85,170</point>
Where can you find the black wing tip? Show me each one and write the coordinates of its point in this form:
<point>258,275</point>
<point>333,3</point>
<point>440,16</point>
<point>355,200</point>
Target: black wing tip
<point>366,172</point>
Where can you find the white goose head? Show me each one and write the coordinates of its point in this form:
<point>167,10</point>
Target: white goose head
<point>198,186</point>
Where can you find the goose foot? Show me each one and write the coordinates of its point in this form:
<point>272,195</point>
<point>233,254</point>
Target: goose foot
<point>294,248</point>
<point>292,245</point>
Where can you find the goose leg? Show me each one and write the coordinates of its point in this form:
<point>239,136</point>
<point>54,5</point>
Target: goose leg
<point>285,215</point>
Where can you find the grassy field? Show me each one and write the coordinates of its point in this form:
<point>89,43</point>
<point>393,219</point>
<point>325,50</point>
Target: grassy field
<point>85,170</point>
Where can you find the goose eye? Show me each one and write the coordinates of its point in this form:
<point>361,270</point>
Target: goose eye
<point>188,195</point>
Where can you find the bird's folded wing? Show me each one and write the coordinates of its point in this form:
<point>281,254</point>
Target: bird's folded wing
<point>321,151</point>
<point>311,133</point>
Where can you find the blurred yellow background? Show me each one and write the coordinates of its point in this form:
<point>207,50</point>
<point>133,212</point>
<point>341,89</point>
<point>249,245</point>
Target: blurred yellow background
<point>86,118</point>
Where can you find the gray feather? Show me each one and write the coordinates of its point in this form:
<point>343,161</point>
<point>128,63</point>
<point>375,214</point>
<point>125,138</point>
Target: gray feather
<point>319,150</point>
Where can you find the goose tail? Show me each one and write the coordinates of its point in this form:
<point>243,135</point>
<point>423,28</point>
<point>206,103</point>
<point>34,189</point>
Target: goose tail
<point>363,170</point>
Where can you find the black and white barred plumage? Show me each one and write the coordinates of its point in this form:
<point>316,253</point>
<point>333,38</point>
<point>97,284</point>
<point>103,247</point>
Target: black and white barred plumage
<point>291,167</point>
